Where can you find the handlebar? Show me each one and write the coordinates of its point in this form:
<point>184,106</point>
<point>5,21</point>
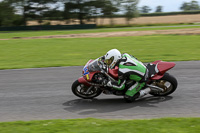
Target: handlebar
<point>103,66</point>
<point>104,70</point>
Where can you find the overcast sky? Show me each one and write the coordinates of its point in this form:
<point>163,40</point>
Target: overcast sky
<point>168,5</point>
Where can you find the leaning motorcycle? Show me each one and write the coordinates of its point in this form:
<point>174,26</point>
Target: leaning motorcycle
<point>95,72</point>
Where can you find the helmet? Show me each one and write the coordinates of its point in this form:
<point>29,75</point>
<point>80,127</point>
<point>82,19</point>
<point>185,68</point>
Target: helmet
<point>112,57</point>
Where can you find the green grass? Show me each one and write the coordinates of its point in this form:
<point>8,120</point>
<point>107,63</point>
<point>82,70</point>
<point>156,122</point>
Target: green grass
<point>90,125</point>
<point>12,34</point>
<point>77,51</point>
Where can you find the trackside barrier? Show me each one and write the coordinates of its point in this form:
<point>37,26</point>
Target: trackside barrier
<point>48,27</point>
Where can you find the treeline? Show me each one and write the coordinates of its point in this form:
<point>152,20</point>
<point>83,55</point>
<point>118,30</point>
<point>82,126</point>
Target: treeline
<point>185,6</point>
<point>18,12</point>
<point>169,13</point>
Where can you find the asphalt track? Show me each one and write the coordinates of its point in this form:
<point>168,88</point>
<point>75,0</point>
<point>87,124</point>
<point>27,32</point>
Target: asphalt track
<point>45,93</point>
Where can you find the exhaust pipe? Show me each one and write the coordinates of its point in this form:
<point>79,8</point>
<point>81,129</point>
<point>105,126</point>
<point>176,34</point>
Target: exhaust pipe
<point>144,92</point>
<point>155,88</point>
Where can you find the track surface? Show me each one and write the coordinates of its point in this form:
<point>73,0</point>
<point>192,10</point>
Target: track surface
<point>45,93</point>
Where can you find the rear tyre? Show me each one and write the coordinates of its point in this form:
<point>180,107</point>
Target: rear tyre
<point>80,90</point>
<point>168,83</point>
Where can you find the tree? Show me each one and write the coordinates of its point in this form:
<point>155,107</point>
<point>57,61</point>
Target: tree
<point>7,15</point>
<point>33,9</point>
<point>159,9</point>
<point>193,5</point>
<point>81,9</point>
<point>95,10</point>
<point>185,6</point>
<point>54,14</point>
<point>130,7</point>
<point>145,9</point>
<point>109,8</point>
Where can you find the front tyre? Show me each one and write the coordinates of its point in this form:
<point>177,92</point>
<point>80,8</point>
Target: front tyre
<point>81,90</point>
<point>168,83</point>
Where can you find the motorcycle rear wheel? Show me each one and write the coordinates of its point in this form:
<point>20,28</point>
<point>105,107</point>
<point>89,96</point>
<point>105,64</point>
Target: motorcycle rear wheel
<point>168,83</point>
<point>80,90</point>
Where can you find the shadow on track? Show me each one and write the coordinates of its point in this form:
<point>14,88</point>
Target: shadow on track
<point>91,106</point>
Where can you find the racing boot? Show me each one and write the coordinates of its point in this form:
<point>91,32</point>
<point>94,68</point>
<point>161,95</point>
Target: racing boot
<point>140,94</point>
<point>144,92</point>
<point>133,92</point>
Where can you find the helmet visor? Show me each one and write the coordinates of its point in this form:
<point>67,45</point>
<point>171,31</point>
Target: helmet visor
<point>109,61</point>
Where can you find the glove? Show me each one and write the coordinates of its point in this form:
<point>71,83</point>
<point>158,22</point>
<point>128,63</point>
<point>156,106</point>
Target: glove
<point>102,58</point>
<point>103,66</point>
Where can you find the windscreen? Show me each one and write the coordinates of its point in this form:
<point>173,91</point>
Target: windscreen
<point>94,66</point>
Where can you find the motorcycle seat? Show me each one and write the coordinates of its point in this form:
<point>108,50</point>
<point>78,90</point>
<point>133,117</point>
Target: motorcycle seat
<point>152,69</point>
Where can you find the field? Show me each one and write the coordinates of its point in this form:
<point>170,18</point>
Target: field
<point>78,33</point>
<point>171,19</point>
<point>32,53</point>
<point>164,125</point>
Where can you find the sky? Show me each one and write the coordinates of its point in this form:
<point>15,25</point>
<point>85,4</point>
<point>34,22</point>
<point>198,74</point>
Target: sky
<point>168,5</point>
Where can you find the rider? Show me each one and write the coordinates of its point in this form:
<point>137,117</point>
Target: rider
<point>129,69</point>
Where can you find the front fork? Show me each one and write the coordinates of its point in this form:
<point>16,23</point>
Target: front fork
<point>89,85</point>
<point>83,81</point>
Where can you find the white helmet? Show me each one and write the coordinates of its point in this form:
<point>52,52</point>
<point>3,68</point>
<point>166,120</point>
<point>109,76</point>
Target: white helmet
<point>112,57</point>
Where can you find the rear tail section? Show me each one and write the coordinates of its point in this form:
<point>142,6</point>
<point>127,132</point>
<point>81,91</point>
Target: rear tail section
<point>162,68</point>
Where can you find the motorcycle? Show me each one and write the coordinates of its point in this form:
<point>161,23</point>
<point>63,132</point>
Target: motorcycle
<point>95,72</point>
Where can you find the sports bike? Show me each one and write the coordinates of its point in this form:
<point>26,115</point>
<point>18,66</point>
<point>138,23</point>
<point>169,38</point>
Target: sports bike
<point>89,85</point>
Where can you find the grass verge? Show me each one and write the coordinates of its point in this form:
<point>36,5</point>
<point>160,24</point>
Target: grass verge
<point>16,34</point>
<point>91,125</point>
<point>35,53</point>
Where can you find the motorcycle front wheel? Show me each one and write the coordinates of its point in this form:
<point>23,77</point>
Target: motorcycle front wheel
<point>81,90</point>
<point>168,83</point>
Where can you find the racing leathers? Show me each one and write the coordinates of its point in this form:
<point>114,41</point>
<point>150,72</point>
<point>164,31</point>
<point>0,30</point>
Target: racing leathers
<point>130,69</point>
